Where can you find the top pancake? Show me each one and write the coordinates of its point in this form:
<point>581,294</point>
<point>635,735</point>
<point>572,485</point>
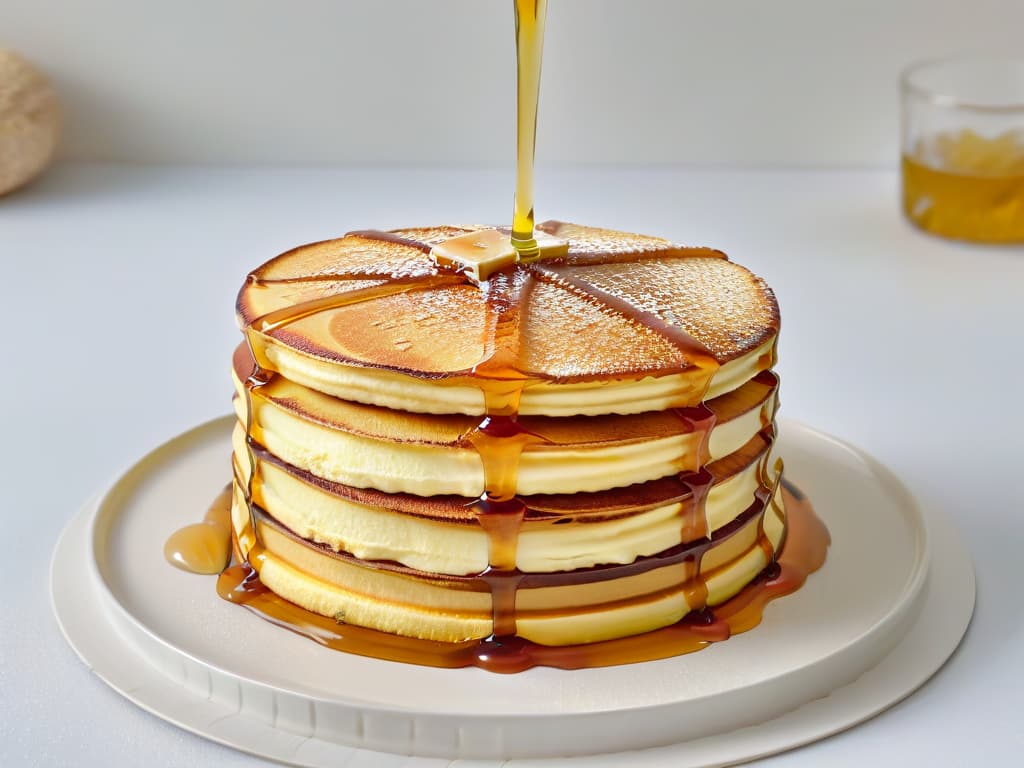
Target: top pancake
<point>621,324</point>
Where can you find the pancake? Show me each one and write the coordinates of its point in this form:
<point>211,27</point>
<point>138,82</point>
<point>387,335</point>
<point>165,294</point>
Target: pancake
<point>371,318</point>
<point>441,441</point>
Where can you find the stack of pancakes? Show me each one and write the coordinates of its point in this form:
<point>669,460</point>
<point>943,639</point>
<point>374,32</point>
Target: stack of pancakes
<point>572,450</point>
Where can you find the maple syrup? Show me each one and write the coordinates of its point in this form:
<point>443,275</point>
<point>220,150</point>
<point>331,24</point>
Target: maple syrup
<point>203,547</point>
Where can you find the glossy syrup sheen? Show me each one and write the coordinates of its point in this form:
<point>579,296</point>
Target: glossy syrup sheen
<point>203,547</point>
<point>804,551</point>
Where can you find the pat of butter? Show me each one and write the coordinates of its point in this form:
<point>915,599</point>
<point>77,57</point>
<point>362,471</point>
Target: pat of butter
<point>478,255</point>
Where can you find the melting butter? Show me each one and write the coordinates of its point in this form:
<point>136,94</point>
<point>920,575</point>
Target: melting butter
<point>478,255</point>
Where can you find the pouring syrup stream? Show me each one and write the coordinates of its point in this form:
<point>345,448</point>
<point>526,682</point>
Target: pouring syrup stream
<point>530,17</point>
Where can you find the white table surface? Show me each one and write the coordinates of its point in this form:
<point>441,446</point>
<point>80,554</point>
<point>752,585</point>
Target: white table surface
<point>118,286</point>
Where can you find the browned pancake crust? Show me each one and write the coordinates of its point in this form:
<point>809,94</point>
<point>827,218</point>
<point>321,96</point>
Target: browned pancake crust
<point>438,326</point>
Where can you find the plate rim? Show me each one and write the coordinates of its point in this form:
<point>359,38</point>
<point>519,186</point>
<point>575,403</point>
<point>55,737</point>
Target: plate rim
<point>106,506</point>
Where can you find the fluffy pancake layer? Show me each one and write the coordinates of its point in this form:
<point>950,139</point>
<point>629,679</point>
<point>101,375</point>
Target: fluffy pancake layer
<point>558,532</point>
<point>373,447</point>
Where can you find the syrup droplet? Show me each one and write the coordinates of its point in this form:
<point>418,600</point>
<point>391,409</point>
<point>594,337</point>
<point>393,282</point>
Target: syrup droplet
<point>203,547</point>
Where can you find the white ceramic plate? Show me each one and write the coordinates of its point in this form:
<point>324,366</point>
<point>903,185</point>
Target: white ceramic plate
<point>887,609</point>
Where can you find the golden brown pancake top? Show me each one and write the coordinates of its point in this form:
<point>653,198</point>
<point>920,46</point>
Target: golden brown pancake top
<point>616,306</point>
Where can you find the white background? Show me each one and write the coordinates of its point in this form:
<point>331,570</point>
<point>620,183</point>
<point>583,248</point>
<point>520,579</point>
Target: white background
<point>118,282</point>
<point>429,82</point>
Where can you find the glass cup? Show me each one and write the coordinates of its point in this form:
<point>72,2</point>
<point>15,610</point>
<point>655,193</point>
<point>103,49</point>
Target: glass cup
<point>963,148</point>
